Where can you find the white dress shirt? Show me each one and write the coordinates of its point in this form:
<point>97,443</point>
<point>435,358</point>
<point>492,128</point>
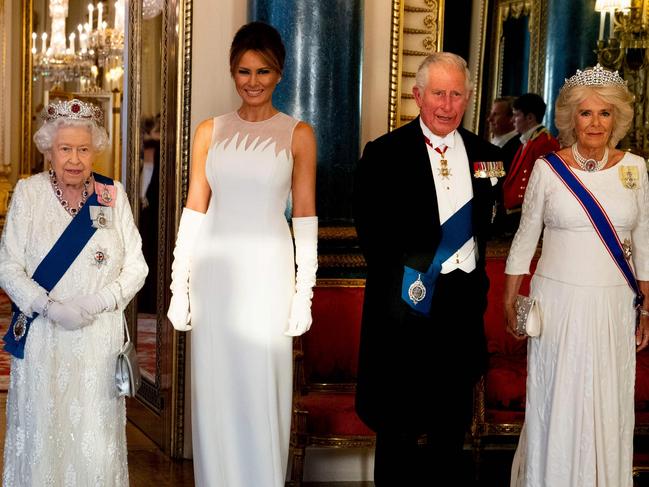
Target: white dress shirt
<point>501,140</point>
<point>452,192</point>
<point>527,135</point>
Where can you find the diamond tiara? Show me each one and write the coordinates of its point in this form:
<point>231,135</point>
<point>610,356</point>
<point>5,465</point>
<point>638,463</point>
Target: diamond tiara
<point>73,109</point>
<point>597,76</point>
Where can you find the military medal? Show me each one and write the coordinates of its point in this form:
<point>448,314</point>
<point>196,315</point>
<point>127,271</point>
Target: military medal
<point>495,169</point>
<point>629,176</point>
<point>479,170</point>
<point>417,290</point>
<point>444,170</point>
<point>20,327</point>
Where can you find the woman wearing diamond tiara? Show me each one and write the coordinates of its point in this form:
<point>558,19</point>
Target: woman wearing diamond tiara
<point>70,261</point>
<point>234,269</point>
<point>591,201</point>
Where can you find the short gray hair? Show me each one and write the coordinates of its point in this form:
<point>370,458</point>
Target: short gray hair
<point>570,98</point>
<point>447,59</point>
<point>44,136</point>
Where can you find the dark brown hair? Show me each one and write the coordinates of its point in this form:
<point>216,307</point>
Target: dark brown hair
<point>261,38</point>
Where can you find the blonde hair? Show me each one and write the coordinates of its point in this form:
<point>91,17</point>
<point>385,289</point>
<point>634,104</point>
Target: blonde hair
<point>570,98</point>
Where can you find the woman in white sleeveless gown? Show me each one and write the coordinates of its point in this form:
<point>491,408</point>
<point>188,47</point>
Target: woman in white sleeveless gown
<point>234,272</point>
<point>579,414</point>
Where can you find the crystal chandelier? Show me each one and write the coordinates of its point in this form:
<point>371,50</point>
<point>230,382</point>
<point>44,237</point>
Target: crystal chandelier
<point>151,8</point>
<point>94,49</point>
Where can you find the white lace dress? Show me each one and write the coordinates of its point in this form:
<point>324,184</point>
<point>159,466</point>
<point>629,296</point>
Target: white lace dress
<point>65,424</point>
<point>579,414</point>
<point>241,285</point>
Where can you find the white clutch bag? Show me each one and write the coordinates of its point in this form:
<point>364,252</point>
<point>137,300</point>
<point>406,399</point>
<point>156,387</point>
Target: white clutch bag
<point>528,316</point>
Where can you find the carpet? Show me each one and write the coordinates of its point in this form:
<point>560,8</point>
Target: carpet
<point>146,342</point>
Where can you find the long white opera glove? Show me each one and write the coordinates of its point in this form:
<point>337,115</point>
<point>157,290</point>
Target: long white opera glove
<point>305,233</point>
<point>178,312</point>
<point>66,315</point>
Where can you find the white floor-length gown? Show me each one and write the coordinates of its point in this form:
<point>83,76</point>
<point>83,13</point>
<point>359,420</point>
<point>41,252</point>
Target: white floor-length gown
<point>241,285</point>
<point>579,415</point>
<point>65,423</point>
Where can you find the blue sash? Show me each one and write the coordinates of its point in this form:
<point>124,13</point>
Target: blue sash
<point>53,266</point>
<point>417,287</point>
<point>598,218</point>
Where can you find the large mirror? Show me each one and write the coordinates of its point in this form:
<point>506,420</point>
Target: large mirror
<point>149,190</point>
<point>157,155</point>
<point>519,37</point>
<point>139,79</point>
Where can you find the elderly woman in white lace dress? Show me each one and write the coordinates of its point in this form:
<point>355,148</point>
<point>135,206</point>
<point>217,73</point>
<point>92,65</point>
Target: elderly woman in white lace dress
<point>591,201</point>
<point>70,261</point>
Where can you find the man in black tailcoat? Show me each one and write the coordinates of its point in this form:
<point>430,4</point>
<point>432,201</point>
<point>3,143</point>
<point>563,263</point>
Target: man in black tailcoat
<point>417,370</point>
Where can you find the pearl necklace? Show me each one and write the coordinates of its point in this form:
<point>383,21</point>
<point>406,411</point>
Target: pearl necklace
<point>59,194</point>
<point>589,164</point>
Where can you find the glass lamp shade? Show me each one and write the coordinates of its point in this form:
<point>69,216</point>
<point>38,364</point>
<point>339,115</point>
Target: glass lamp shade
<point>612,5</point>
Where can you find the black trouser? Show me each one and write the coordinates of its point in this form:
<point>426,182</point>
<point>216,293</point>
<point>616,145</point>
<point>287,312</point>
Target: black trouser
<point>401,462</point>
<point>439,401</point>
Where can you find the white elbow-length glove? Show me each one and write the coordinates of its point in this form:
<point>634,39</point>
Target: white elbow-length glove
<point>305,233</point>
<point>67,315</point>
<point>178,312</point>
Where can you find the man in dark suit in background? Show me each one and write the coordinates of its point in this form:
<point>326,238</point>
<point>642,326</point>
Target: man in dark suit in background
<point>501,128</point>
<point>504,135</point>
<point>417,189</point>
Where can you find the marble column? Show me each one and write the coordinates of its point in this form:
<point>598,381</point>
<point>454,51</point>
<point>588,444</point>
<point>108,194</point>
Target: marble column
<point>571,41</point>
<point>321,85</point>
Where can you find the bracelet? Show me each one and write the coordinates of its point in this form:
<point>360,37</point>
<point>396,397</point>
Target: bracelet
<point>644,312</point>
<point>46,307</point>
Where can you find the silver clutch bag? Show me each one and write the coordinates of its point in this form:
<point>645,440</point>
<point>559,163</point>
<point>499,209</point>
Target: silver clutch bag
<point>127,369</point>
<point>528,317</point>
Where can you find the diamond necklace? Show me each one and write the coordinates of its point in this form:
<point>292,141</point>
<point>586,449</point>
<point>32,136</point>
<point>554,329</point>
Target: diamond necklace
<point>59,194</point>
<point>590,165</point>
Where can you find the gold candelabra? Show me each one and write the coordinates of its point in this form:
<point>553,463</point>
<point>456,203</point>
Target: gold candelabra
<point>626,50</point>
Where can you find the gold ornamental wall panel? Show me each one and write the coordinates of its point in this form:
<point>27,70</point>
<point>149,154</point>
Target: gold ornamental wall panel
<point>417,31</point>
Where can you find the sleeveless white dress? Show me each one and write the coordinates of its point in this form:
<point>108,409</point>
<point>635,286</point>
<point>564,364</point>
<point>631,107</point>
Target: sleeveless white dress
<point>241,285</point>
<point>579,414</point>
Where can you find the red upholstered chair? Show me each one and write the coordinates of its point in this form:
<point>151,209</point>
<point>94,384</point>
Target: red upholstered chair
<point>499,400</point>
<point>326,362</point>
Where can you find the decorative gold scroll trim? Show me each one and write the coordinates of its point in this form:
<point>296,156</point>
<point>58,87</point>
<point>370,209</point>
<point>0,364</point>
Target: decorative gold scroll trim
<point>477,66</point>
<point>407,23</point>
<point>337,233</point>
<point>332,282</point>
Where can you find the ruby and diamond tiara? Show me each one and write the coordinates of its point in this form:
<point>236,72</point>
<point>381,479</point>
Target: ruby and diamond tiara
<point>597,76</point>
<point>73,109</point>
